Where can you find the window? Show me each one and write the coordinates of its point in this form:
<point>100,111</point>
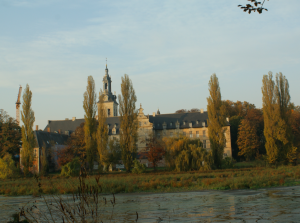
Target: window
<point>191,124</point>
<point>197,134</point>
<point>164,133</point>
<point>170,124</point>
<point>140,123</point>
<point>183,123</point>
<point>145,123</point>
<point>105,86</point>
<point>203,124</point>
<point>164,126</point>
<point>204,144</point>
<point>171,134</point>
<point>177,125</point>
<point>108,112</point>
<point>204,133</point>
<point>191,134</point>
<point>197,122</point>
<point>114,131</point>
<point>158,125</point>
<point>184,133</point>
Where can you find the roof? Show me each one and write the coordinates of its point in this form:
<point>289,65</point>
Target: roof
<point>197,119</point>
<point>46,138</point>
<point>184,119</point>
<point>70,125</point>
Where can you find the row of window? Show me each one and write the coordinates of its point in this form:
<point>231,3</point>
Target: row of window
<point>177,124</point>
<point>184,133</point>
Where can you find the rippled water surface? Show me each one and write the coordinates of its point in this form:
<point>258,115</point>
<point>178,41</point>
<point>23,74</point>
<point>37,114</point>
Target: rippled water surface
<point>263,205</point>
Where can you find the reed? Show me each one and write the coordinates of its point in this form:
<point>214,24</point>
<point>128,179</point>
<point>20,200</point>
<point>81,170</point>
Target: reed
<point>244,178</point>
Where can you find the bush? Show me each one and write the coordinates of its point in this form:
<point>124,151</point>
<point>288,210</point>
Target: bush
<point>7,167</point>
<point>138,167</point>
<point>71,169</point>
<point>227,163</point>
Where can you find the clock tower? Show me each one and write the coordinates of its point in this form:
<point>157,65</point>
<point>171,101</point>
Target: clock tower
<point>110,100</point>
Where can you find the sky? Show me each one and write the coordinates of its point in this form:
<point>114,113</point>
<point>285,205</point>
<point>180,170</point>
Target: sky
<point>168,48</point>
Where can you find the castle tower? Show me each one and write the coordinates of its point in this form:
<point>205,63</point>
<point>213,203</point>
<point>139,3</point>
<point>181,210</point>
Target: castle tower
<point>110,100</point>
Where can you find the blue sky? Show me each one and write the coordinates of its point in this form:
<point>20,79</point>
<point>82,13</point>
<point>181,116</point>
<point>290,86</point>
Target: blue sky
<point>169,49</point>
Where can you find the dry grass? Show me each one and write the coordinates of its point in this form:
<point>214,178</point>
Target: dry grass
<point>245,178</point>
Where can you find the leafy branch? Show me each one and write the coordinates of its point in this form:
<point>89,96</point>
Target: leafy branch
<point>257,6</point>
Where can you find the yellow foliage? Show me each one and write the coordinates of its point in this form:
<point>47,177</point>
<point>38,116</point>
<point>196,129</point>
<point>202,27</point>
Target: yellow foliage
<point>7,167</point>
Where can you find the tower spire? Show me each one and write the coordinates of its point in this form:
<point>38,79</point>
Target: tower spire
<point>106,62</point>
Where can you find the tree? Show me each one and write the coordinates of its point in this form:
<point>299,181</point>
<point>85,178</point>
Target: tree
<point>44,160</point>
<point>186,111</point>
<point>102,132</point>
<point>75,147</point>
<point>90,108</point>
<point>7,167</point>
<point>216,120</point>
<point>256,118</point>
<point>114,152</point>
<point>257,6</point>
<point>277,119</point>
<point>235,122</point>
<point>28,140</point>
<point>10,135</point>
<point>247,141</point>
<point>237,108</point>
<point>155,150</point>
<point>128,122</point>
<point>184,154</point>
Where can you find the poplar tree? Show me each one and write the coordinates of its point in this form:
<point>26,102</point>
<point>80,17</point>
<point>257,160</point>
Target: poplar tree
<point>90,108</point>
<point>216,120</point>
<point>28,140</point>
<point>128,122</point>
<point>102,131</point>
<point>277,119</point>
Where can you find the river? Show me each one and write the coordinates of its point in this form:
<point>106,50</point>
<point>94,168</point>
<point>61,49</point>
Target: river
<point>280,204</point>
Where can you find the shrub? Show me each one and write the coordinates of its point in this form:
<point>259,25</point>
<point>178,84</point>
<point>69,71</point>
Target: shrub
<point>7,167</point>
<point>138,167</point>
<point>71,169</point>
<point>227,163</point>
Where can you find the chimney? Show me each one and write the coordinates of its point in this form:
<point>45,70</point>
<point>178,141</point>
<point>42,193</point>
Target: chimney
<point>48,129</point>
<point>201,110</point>
<point>66,119</point>
<point>59,131</point>
<point>36,127</point>
<point>153,114</point>
<point>73,119</point>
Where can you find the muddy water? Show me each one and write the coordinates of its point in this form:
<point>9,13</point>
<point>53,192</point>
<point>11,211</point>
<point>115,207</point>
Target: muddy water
<point>263,205</point>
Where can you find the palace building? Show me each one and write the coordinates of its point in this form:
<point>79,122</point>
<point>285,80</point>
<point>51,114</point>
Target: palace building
<point>192,125</point>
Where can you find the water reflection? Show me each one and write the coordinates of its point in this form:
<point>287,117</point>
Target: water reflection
<point>264,205</point>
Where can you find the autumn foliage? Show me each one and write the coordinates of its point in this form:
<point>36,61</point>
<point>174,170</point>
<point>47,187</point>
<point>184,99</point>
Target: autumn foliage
<point>155,150</point>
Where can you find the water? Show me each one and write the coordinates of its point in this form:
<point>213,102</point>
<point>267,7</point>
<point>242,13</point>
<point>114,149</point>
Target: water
<point>263,205</point>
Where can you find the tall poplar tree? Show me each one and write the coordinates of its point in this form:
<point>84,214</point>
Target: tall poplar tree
<point>90,108</point>
<point>216,120</point>
<point>128,122</point>
<point>102,132</point>
<point>28,140</point>
<point>277,119</point>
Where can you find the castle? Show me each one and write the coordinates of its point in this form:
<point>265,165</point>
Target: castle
<point>192,125</point>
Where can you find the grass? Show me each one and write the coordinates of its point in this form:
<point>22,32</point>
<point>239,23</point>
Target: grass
<point>161,181</point>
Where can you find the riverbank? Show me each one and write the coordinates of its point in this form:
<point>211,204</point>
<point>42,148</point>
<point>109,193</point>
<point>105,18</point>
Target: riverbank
<point>160,182</point>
